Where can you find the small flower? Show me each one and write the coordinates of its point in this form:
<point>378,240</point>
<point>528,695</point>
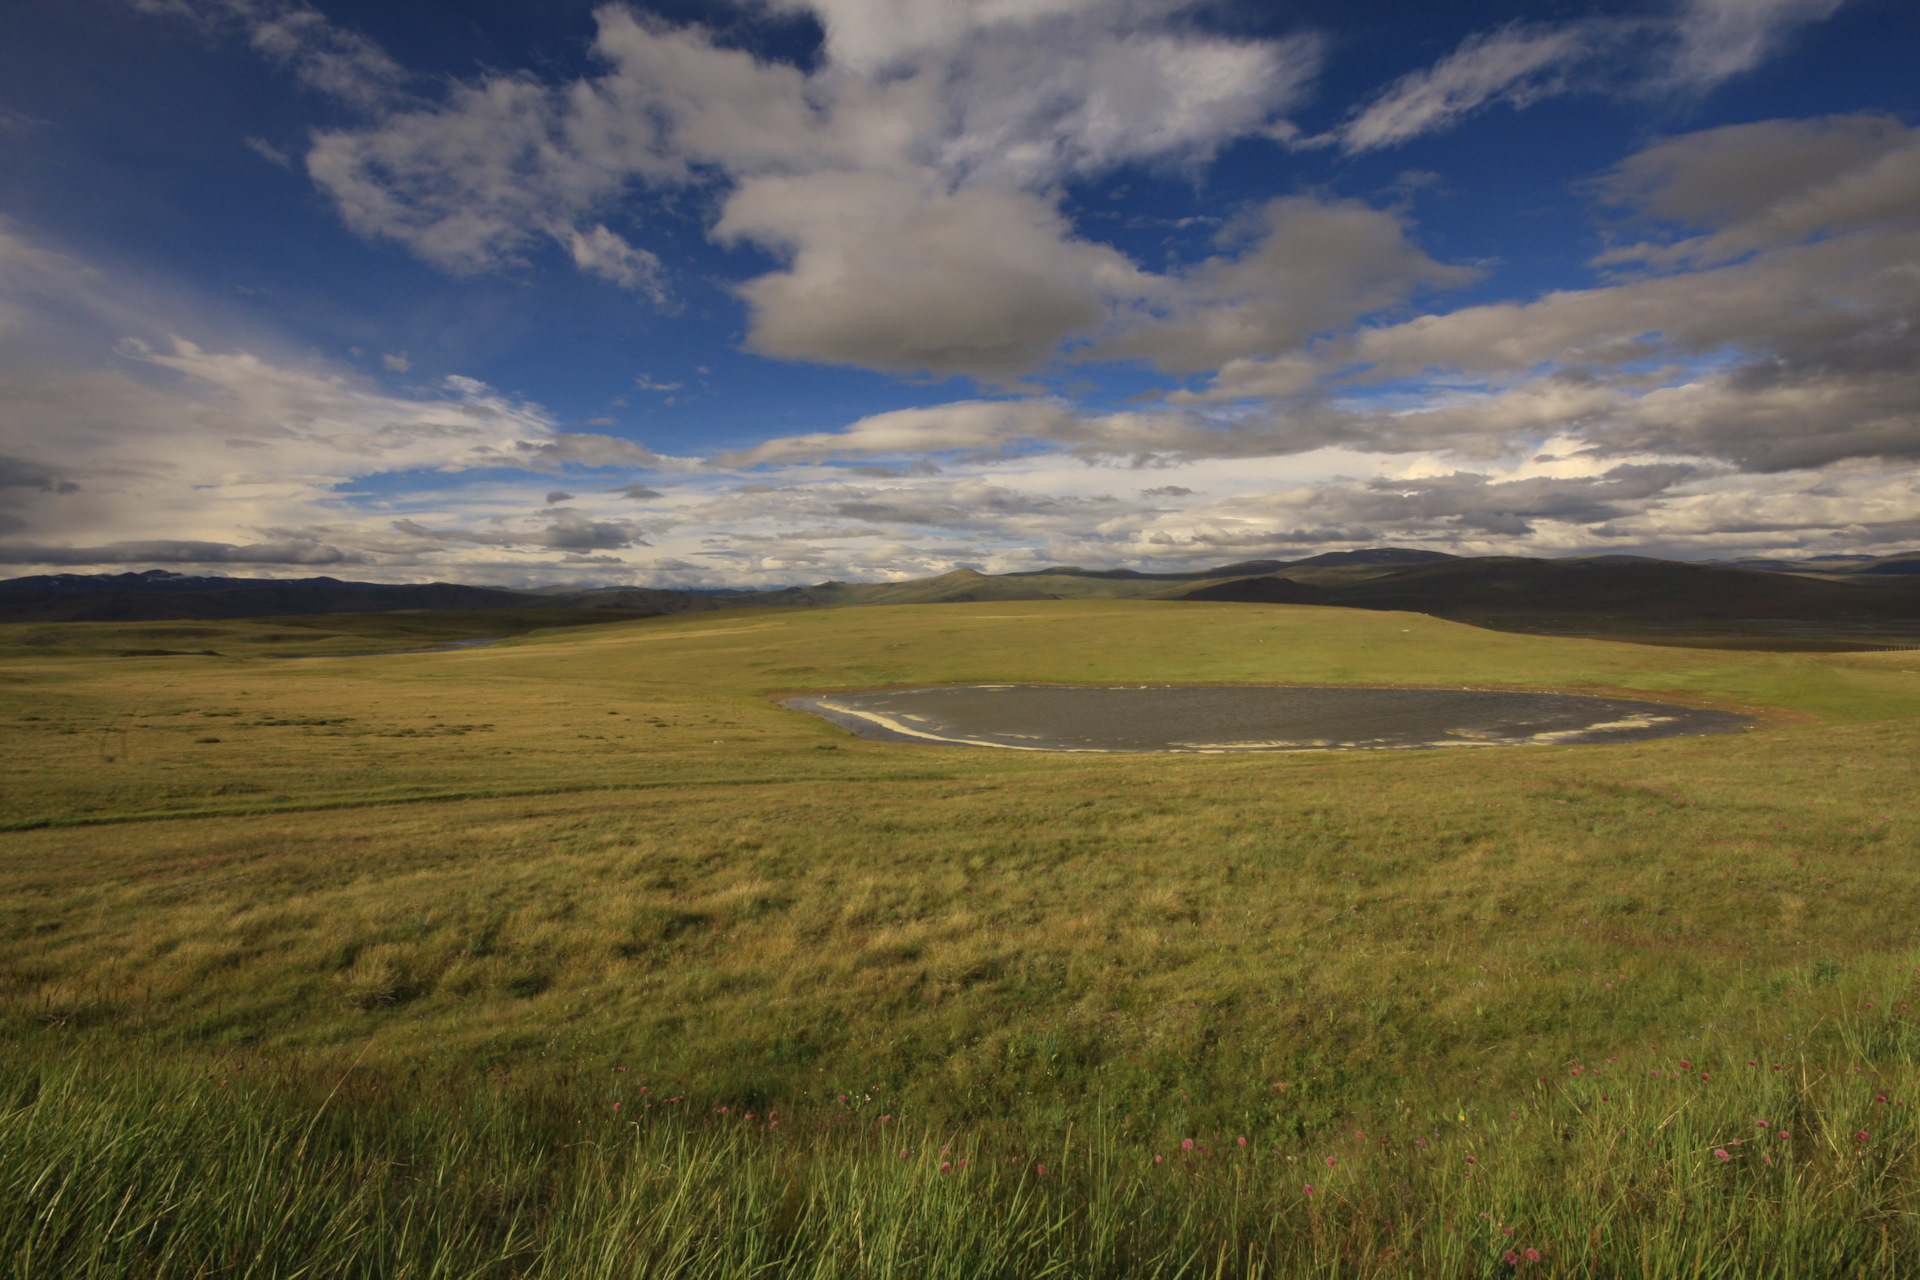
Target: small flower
<point>946,1166</point>
<point>1685,1065</point>
<point>616,1106</point>
<point>1040,1169</point>
<point>1158,1159</point>
<point>1309,1188</point>
<point>1187,1145</point>
<point>1533,1255</point>
<point>1784,1134</point>
<point>1863,1136</point>
<point>903,1153</point>
<point>1471,1160</point>
<point>1242,1141</point>
<point>1706,1075</point>
<point>1721,1152</point>
<point>1419,1142</point>
<point>1511,1258</point>
<point>1329,1162</point>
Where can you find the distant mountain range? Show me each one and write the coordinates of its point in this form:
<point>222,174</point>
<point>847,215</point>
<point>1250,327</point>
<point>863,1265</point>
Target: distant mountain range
<point>1588,595</point>
<point>158,594</point>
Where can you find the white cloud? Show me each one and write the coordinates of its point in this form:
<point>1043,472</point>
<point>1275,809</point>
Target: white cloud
<point>1691,50</point>
<point>1719,39</point>
<point>603,253</point>
<point>1304,267</point>
<point>939,130</point>
<point>268,152</point>
<point>890,274</point>
<point>1516,65</point>
<point>969,425</point>
<point>326,58</point>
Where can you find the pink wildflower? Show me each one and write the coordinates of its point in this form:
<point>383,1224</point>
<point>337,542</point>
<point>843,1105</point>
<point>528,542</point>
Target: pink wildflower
<point>1187,1145</point>
<point>1721,1152</point>
<point>1533,1255</point>
<point>1243,1142</point>
<point>946,1166</point>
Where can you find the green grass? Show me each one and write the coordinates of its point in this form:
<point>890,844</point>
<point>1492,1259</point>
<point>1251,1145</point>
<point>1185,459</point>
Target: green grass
<point>478,897</point>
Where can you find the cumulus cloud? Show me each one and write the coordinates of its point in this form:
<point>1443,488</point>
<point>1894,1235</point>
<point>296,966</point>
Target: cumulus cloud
<point>603,253</point>
<point>1767,184</point>
<point>889,274</point>
<point>1302,266</point>
<point>910,179</point>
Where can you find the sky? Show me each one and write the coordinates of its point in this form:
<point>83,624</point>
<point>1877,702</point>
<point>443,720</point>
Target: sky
<point>704,294</point>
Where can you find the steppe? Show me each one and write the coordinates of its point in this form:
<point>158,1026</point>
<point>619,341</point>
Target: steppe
<point>576,955</point>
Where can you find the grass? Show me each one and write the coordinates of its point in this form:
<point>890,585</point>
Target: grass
<point>429,917</point>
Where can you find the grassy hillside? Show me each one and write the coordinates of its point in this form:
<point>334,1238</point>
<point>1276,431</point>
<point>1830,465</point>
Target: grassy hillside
<point>404,930</point>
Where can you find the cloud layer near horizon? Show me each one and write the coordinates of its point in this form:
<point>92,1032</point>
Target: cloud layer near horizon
<point>1741,374</point>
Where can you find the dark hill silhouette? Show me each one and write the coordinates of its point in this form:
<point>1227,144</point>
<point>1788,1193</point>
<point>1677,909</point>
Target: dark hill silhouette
<point>1633,589</point>
<point>158,595</point>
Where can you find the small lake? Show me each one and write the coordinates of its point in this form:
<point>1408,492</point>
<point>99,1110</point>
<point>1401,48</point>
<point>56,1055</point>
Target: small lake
<point>1031,717</point>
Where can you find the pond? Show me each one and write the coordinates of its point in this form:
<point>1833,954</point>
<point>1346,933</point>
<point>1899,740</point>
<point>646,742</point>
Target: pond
<point>1200,718</point>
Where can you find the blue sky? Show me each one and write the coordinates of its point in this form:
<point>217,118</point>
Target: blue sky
<point>779,291</point>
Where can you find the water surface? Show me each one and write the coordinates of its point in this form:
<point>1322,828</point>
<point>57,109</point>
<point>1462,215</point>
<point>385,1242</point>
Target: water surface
<point>1029,717</point>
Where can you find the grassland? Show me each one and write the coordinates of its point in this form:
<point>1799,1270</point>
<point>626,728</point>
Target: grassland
<point>346,962</point>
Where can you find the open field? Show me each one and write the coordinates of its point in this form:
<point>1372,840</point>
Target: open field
<point>351,959</point>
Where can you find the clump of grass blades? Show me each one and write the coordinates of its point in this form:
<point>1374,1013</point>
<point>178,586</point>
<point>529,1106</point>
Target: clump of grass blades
<point>164,1168</point>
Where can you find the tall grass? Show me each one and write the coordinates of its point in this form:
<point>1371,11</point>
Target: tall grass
<point>169,1167</point>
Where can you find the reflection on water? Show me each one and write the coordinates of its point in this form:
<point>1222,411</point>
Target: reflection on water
<point>1264,718</point>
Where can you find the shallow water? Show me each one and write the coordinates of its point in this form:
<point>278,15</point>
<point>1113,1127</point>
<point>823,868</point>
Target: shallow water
<point>1261,718</point>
